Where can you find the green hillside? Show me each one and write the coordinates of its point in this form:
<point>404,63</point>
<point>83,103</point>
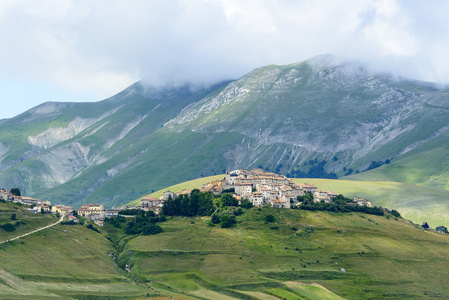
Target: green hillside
<point>426,165</point>
<point>60,262</point>
<point>23,222</point>
<point>301,255</point>
<point>381,257</point>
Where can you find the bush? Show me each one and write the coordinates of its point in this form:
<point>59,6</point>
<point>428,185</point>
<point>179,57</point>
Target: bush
<point>92,228</point>
<point>396,213</point>
<point>227,221</point>
<point>151,229</point>
<point>215,218</point>
<point>8,227</point>
<point>269,218</point>
<point>71,222</point>
<point>246,204</point>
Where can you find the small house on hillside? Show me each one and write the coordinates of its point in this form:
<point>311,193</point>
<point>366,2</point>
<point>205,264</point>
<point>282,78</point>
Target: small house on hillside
<point>62,209</point>
<point>73,218</point>
<point>168,194</point>
<point>110,213</point>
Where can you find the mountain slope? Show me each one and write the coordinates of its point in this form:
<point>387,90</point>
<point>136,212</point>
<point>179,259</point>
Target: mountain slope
<point>319,118</point>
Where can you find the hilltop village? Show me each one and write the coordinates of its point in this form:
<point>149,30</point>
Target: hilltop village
<point>257,186</point>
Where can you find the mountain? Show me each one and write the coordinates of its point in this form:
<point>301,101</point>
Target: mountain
<point>324,117</point>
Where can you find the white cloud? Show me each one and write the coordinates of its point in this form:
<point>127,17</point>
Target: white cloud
<point>103,46</point>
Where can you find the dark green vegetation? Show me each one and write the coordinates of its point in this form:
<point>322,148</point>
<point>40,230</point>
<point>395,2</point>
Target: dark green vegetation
<point>339,204</point>
<point>195,204</point>
<point>223,209</point>
<point>324,117</point>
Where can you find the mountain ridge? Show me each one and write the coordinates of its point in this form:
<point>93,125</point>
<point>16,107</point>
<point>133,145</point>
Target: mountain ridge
<point>326,116</point>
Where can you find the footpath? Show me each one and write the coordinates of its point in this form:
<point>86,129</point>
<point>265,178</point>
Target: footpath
<point>28,233</point>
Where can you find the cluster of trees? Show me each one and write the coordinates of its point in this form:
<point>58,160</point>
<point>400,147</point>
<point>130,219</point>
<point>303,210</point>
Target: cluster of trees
<point>223,209</point>
<point>225,216</point>
<point>339,205</point>
<point>195,204</point>
<point>142,222</point>
<point>15,192</point>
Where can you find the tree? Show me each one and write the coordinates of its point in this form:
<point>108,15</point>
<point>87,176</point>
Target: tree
<point>15,192</point>
<point>246,204</point>
<point>13,217</point>
<point>226,221</point>
<point>229,200</point>
<point>396,213</point>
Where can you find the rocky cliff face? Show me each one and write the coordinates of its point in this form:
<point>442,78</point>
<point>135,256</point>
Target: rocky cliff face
<point>322,117</point>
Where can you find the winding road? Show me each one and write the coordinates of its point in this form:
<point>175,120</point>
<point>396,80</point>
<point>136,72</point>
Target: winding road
<point>39,229</point>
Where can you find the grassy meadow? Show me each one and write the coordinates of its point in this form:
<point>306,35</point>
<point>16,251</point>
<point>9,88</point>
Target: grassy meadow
<point>302,255</point>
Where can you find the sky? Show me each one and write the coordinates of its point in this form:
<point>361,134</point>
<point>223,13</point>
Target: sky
<point>84,50</point>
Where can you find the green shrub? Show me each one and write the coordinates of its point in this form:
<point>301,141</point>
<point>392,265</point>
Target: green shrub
<point>227,221</point>
<point>8,227</point>
<point>269,218</point>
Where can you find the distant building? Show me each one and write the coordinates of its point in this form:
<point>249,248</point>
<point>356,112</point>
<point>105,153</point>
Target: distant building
<point>168,194</point>
<point>153,204</point>
<point>362,202</point>
<point>73,218</point>
<point>111,213</point>
<point>62,209</point>
<point>41,208</point>
<point>30,201</point>
<point>87,210</point>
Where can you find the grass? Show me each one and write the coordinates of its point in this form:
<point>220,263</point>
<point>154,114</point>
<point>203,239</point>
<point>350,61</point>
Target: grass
<point>31,221</point>
<point>313,291</point>
<point>61,262</point>
<point>383,257</point>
